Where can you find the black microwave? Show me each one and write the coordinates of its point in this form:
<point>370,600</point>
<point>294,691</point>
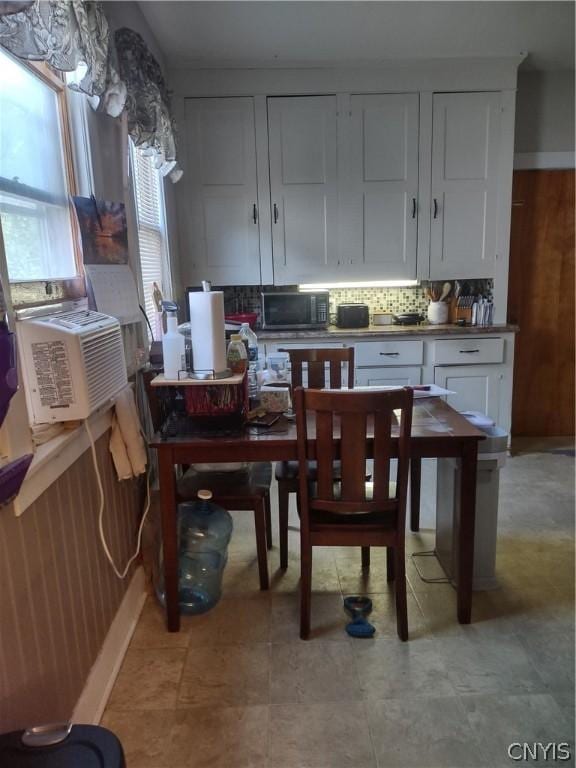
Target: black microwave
<point>284,311</point>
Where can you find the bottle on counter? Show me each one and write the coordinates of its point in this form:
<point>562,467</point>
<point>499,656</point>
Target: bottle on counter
<point>173,344</point>
<point>236,355</point>
<point>247,333</point>
<point>250,337</point>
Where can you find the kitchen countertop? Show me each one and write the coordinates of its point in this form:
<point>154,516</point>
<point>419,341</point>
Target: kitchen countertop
<point>383,331</point>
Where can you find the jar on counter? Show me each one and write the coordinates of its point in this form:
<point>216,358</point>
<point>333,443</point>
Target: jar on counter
<point>236,355</point>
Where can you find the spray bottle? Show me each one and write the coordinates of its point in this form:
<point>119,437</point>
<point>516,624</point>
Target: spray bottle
<point>173,344</point>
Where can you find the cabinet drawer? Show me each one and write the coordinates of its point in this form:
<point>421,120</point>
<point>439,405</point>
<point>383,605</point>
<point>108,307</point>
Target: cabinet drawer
<point>468,351</point>
<point>388,377</point>
<point>389,353</point>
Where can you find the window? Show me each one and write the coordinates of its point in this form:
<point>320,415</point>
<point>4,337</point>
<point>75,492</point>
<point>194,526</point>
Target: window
<point>36,175</point>
<point>150,211</point>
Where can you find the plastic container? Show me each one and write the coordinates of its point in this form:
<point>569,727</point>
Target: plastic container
<point>185,330</point>
<point>248,334</point>
<point>61,746</point>
<point>204,531</point>
<point>236,355</point>
<point>491,457</point>
<point>173,348</point>
<point>242,317</point>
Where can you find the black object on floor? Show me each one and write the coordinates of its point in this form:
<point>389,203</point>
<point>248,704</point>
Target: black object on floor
<point>357,605</point>
<point>61,746</point>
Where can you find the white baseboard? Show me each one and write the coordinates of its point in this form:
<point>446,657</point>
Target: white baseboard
<point>542,160</point>
<point>92,702</point>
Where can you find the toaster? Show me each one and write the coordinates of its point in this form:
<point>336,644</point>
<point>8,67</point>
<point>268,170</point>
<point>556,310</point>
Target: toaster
<point>352,316</point>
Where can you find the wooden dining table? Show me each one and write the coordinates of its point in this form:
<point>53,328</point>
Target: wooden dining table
<point>438,431</point>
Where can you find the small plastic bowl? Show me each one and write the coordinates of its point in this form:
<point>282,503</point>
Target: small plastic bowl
<point>243,317</point>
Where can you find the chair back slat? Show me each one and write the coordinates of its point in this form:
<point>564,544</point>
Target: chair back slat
<point>353,415</point>
<point>405,430</point>
<point>317,361</point>
<point>382,448</point>
<point>325,454</point>
<point>295,373</point>
<point>353,456</point>
<point>316,374</point>
<point>336,374</point>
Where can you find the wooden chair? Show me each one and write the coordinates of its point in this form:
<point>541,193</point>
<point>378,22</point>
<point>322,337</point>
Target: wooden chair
<point>247,489</point>
<point>346,510</point>
<point>315,362</point>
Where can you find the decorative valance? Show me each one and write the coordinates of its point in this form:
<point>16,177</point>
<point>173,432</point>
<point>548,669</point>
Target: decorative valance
<point>120,69</point>
<point>147,102</point>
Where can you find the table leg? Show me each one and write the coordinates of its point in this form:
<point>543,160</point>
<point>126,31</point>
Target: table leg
<point>465,563</point>
<point>168,514</point>
<point>415,475</point>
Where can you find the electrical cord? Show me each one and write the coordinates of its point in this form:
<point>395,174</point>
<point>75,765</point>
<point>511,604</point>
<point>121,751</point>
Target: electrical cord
<point>147,320</point>
<point>124,573</point>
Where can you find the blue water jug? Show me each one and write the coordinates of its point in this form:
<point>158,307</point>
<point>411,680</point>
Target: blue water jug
<point>204,531</point>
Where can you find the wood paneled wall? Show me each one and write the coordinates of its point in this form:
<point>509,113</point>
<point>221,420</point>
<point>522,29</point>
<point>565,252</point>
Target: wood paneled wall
<point>541,302</point>
<point>58,593</point>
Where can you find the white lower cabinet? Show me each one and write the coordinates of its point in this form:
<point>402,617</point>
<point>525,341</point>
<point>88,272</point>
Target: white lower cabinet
<point>475,387</point>
<point>386,377</point>
<point>485,386</point>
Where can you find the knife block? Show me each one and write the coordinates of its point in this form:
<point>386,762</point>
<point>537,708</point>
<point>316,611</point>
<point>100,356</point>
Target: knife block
<point>456,313</point>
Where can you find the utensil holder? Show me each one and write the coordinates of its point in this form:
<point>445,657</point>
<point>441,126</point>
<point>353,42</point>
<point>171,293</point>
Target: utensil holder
<point>437,312</point>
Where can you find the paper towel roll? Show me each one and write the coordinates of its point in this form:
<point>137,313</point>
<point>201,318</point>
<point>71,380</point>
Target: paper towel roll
<point>207,329</point>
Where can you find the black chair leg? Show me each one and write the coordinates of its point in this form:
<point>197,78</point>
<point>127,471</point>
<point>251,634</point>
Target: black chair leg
<point>268,512</point>
<point>283,501</point>
<point>389,564</point>
<point>260,524</point>
<point>415,479</point>
<point>365,557</point>
<point>400,594</point>
<point>305,591</point>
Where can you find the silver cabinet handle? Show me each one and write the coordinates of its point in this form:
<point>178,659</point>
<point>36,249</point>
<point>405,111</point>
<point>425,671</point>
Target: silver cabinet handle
<point>413,207</point>
<point>275,214</point>
<point>468,351</point>
<point>435,208</point>
<point>254,213</point>
<point>390,354</point>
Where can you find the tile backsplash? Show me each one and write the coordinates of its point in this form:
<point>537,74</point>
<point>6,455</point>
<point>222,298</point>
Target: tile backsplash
<point>390,300</point>
<point>394,300</point>
<point>246,298</point>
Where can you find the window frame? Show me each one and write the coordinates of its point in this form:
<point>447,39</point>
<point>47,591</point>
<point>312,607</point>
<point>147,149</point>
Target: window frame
<point>32,293</point>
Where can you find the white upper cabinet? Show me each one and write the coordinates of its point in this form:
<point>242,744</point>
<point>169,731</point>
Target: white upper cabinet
<point>347,187</point>
<point>303,187</point>
<point>465,148</point>
<point>381,194</point>
<point>220,205</point>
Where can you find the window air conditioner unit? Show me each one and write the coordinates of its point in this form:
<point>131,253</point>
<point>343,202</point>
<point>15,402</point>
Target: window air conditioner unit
<point>73,363</point>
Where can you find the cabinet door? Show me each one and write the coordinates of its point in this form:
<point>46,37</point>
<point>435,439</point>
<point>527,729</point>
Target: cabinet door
<point>220,206</point>
<point>475,387</point>
<point>387,377</point>
<point>303,187</point>
<point>383,185</point>
<point>465,144</point>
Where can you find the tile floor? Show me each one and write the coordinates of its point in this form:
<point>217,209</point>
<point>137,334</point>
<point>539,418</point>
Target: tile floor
<point>237,688</point>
